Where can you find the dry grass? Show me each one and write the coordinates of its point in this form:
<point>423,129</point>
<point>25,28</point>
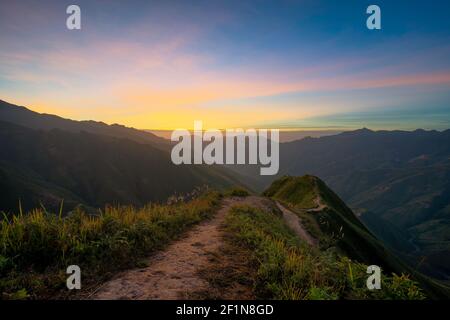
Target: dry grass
<point>36,248</point>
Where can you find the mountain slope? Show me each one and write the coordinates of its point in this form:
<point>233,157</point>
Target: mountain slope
<point>331,222</point>
<point>84,168</point>
<point>392,179</point>
<point>46,158</point>
<point>33,120</point>
<point>396,182</point>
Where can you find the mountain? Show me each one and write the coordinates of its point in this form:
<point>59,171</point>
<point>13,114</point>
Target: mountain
<point>328,219</point>
<point>46,159</point>
<point>396,181</point>
<point>33,120</point>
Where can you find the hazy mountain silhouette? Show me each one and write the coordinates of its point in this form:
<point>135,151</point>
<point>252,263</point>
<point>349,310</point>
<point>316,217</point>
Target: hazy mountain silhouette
<point>30,119</point>
<point>88,163</point>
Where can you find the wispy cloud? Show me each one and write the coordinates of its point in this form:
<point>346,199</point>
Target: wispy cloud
<point>161,65</point>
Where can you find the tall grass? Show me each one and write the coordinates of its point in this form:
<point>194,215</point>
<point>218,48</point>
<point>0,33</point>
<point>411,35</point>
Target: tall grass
<point>36,248</point>
<point>286,268</point>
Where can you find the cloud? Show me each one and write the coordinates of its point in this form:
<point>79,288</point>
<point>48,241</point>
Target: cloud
<point>145,67</point>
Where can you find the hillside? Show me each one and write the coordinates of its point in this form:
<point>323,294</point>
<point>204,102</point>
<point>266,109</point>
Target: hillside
<point>47,167</point>
<point>47,159</point>
<point>36,247</point>
<point>215,246</point>
<point>24,117</point>
<point>397,182</point>
<point>328,219</point>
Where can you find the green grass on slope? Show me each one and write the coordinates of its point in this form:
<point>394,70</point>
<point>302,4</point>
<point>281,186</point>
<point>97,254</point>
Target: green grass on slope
<point>36,248</point>
<point>337,226</point>
<point>286,268</point>
<point>296,191</point>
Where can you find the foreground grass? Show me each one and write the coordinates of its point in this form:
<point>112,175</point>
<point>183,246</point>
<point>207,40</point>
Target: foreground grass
<point>36,248</point>
<point>286,268</point>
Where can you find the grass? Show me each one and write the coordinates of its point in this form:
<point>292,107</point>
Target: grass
<point>286,268</point>
<point>36,248</point>
<point>237,192</point>
<point>336,226</point>
<point>297,191</point>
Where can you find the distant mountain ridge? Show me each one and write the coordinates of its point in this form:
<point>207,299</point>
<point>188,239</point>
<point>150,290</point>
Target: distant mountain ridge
<point>46,159</point>
<point>31,119</point>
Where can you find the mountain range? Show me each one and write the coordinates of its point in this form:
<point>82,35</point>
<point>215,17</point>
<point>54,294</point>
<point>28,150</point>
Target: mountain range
<point>46,159</point>
<point>396,182</point>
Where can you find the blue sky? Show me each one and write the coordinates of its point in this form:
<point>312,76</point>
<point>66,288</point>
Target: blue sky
<point>285,64</point>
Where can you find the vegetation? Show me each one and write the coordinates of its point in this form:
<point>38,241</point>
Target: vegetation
<point>332,223</point>
<point>286,268</point>
<point>336,226</point>
<point>397,180</point>
<point>237,192</point>
<point>36,248</point>
<point>261,255</point>
<point>299,192</point>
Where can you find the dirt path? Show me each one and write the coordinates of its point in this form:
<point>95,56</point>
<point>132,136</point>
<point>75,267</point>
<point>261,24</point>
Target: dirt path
<point>320,205</point>
<point>294,222</point>
<point>172,273</point>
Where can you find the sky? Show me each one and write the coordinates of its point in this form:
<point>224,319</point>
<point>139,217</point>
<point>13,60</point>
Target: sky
<point>293,65</point>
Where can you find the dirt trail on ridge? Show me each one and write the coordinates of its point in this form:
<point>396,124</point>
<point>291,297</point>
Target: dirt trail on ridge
<point>173,273</point>
<point>294,222</point>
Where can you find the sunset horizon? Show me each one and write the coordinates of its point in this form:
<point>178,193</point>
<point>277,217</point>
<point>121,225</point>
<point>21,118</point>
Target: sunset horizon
<point>166,66</point>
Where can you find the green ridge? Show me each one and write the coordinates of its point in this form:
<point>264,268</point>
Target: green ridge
<point>335,225</point>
